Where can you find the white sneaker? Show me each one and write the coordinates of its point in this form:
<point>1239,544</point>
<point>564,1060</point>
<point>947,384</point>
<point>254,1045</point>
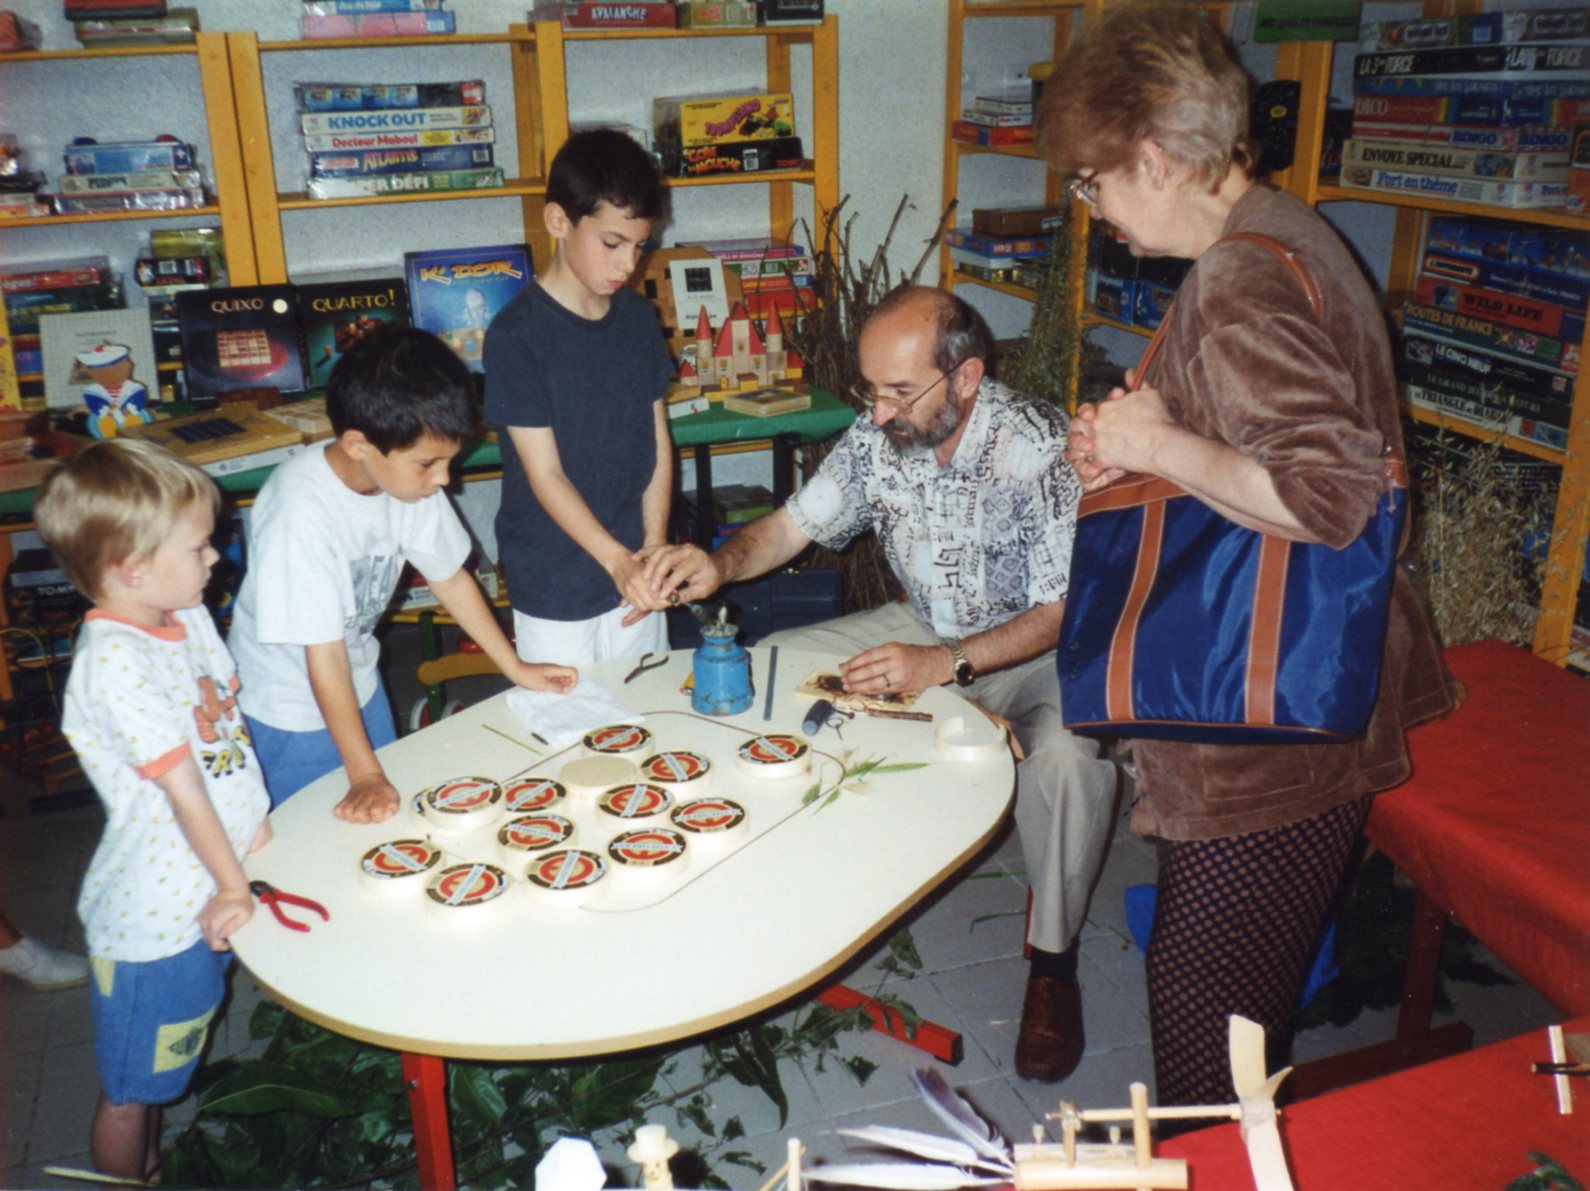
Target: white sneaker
<point>41,966</point>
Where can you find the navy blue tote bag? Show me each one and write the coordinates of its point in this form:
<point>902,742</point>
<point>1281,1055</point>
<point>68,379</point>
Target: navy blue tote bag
<point>1186,626</point>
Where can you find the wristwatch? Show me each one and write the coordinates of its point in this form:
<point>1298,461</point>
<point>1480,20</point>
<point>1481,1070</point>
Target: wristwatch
<point>965,672</point>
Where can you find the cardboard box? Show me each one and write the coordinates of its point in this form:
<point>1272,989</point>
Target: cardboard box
<point>691,121</point>
<point>716,14</point>
<point>1013,221</point>
<point>597,14</point>
<point>733,157</point>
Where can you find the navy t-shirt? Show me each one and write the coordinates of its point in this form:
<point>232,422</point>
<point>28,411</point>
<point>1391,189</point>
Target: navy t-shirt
<point>594,382</point>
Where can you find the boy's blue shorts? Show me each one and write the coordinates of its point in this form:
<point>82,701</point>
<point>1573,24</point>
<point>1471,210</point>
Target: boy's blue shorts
<point>291,760</point>
<point>152,1020</point>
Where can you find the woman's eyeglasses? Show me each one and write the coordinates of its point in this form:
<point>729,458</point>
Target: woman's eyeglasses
<point>1084,187</point>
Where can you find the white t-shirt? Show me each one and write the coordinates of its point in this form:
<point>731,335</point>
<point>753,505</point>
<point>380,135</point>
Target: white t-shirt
<point>323,564</point>
<point>138,702</point>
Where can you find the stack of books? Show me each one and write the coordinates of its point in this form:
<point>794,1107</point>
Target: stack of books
<point>994,257</point>
<point>324,19</point>
<point>131,22</point>
<point>41,288</point>
<point>994,120</point>
<point>154,175</point>
<point>1476,108</point>
<point>774,275</point>
<point>392,138</point>
<point>1493,333</point>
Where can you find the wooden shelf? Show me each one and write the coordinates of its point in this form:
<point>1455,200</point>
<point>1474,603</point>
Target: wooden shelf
<point>517,188</point>
<point>1467,429</point>
<point>208,210</point>
<point>806,173</point>
<point>1004,287</point>
<point>396,43</point>
<point>1542,217</point>
<point>1022,8</point>
<point>1028,151</point>
<point>98,52</point>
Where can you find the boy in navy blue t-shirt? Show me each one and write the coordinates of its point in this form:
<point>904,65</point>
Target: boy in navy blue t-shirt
<point>576,370</point>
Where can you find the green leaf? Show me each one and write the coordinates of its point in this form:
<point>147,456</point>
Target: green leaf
<point>266,1097</point>
<point>860,1067</point>
<point>811,795</point>
<point>901,766</point>
<point>266,1020</point>
<point>733,1129</point>
<point>746,1159</point>
<point>474,1095</point>
<point>902,945</point>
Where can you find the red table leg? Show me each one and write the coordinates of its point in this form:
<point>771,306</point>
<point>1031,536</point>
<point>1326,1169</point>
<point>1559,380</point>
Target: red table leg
<point>425,1077</point>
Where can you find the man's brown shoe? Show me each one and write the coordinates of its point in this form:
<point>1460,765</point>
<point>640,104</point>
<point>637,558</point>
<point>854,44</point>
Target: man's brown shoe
<point>1050,1044</point>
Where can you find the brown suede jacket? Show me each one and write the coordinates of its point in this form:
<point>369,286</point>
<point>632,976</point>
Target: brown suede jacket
<point>1246,362</point>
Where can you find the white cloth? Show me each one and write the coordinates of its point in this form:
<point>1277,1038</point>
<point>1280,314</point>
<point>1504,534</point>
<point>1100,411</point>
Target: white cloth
<point>579,642</point>
<point>974,542</point>
<point>323,564</point>
<point>563,719</point>
<point>138,702</point>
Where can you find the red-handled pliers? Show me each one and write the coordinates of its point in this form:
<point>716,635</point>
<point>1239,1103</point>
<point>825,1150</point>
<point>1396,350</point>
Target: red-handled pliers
<point>273,897</point>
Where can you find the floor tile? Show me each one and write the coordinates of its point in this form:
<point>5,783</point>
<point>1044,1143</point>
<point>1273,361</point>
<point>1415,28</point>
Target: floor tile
<point>65,1106</point>
<point>981,916</point>
<point>24,1018</point>
<point>71,1017</point>
<point>19,1081</point>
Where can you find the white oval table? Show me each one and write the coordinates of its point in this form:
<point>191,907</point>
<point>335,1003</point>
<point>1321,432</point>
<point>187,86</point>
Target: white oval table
<point>813,883</point>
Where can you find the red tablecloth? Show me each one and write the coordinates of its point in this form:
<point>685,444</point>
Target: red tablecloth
<point>1466,1123</point>
<point>1494,824</point>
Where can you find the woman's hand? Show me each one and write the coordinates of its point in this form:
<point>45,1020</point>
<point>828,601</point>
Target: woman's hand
<point>1118,435</point>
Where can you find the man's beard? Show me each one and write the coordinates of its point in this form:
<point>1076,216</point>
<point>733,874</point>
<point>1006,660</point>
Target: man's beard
<point>905,437</point>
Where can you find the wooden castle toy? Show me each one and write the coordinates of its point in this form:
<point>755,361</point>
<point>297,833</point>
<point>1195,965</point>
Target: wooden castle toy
<point>741,358</point>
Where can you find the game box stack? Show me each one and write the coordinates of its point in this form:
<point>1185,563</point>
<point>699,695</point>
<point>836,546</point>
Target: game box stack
<point>993,257</point>
<point>995,120</point>
<point>1478,108</point>
<point>323,19</point>
<point>20,187</point>
<point>1493,332</point>
<point>774,275</point>
<point>155,175</point>
<point>738,132</point>
<point>40,288</point>
<point>1136,290</point>
<point>131,23</point>
<point>454,293</point>
<point>395,138</point>
<point>176,260</point>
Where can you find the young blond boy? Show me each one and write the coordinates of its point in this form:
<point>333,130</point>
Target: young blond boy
<point>151,711</point>
<point>330,533</point>
<point>576,371</point>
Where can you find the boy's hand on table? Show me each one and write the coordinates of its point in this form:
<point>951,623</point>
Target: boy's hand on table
<point>369,800</point>
<point>222,917</point>
<point>545,676</point>
<point>261,837</point>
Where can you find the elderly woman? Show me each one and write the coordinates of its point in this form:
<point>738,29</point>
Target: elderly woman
<point>1275,418</point>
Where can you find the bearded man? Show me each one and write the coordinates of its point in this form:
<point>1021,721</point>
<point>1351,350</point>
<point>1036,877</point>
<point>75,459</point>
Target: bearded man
<point>967,485</point>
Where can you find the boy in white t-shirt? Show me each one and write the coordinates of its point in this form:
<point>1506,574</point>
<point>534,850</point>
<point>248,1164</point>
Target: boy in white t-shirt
<point>151,711</point>
<point>331,531</point>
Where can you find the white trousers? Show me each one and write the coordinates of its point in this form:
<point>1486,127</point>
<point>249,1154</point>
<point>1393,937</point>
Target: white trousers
<point>572,642</point>
<point>1065,790</point>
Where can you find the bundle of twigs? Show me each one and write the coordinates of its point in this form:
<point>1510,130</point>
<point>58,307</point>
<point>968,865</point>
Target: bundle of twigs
<point>845,294</point>
<point>1482,538</point>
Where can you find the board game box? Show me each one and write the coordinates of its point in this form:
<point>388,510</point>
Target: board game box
<point>456,292</point>
<point>338,314</point>
<point>240,337</point>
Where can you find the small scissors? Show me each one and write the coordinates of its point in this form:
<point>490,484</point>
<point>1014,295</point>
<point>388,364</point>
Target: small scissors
<point>648,661</point>
<point>273,897</point>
